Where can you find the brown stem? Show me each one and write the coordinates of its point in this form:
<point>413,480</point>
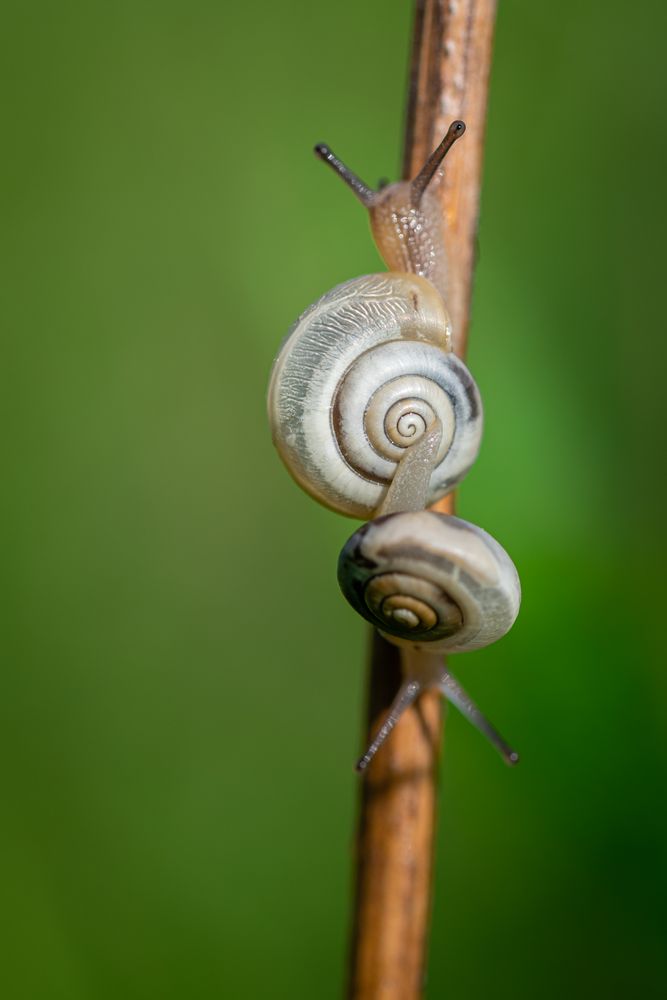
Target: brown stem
<point>451,60</point>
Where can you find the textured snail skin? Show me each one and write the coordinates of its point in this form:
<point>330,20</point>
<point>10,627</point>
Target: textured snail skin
<point>361,376</point>
<point>410,237</point>
<point>430,581</point>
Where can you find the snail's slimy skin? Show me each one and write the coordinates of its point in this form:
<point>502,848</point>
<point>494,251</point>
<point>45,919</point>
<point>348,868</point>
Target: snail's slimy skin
<point>362,375</point>
<point>430,581</point>
<point>409,236</point>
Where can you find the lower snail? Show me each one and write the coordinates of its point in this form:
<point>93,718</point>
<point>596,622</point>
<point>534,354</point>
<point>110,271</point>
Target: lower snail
<point>376,417</point>
<point>432,584</point>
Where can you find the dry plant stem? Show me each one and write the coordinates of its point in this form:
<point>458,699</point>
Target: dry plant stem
<point>450,75</point>
<point>451,61</point>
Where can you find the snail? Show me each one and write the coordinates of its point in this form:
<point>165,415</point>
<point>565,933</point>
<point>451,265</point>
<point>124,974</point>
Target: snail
<point>367,370</point>
<point>432,584</point>
<point>376,417</point>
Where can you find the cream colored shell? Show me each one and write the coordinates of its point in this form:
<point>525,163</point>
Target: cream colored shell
<point>361,376</point>
<point>430,580</point>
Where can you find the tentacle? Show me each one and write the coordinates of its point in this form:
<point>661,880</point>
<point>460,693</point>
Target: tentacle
<point>407,693</point>
<point>453,692</point>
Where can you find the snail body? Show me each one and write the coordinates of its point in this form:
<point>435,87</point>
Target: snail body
<point>408,235</point>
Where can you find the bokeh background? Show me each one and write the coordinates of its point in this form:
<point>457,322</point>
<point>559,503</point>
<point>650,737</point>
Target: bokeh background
<point>182,684</point>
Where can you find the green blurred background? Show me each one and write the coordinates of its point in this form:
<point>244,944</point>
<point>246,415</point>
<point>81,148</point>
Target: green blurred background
<point>182,687</point>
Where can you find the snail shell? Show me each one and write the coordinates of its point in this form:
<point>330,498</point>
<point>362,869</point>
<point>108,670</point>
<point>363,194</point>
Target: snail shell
<point>430,581</point>
<point>361,376</point>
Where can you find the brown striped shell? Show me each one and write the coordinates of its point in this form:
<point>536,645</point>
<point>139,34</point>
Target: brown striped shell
<point>430,580</point>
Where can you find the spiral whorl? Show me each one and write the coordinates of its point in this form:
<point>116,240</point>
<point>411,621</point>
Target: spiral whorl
<point>365,373</point>
<point>430,579</point>
<point>411,606</point>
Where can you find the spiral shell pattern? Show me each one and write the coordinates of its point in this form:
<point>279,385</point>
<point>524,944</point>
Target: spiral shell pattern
<point>430,580</point>
<point>362,375</point>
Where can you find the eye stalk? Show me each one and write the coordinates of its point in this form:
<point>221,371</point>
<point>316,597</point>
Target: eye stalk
<point>366,195</point>
<point>425,175</point>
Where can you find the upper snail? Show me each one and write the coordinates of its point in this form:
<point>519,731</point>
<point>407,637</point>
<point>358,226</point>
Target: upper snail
<point>367,370</point>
